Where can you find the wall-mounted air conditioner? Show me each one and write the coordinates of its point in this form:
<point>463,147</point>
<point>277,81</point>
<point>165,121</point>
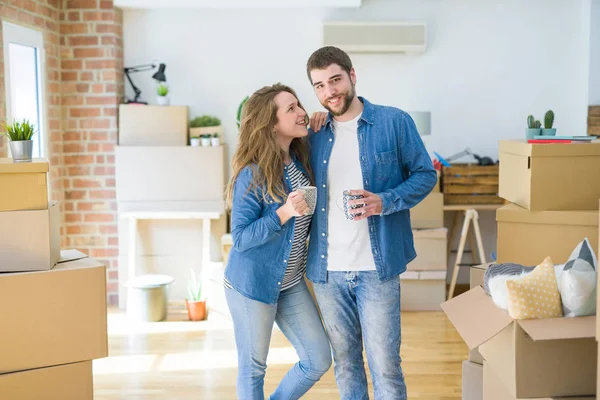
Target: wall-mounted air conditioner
<point>376,37</point>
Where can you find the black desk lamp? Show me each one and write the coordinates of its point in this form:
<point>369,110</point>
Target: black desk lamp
<point>159,76</point>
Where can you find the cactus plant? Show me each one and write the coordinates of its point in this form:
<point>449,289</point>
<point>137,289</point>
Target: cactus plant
<point>548,119</point>
<point>530,121</point>
<point>537,124</point>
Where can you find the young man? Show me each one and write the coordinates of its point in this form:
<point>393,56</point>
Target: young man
<point>373,151</point>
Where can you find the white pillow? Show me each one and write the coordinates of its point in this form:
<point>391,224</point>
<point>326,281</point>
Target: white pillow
<point>577,282</point>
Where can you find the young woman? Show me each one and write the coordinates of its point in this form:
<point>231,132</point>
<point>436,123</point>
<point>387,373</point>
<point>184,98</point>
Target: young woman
<point>264,277</point>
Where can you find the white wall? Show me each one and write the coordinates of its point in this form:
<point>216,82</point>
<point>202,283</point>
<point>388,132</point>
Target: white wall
<point>594,73</point>
<point>489,64</point>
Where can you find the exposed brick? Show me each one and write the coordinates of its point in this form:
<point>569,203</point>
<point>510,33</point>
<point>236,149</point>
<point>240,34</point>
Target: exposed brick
<point>106,217</point>
<point>72,64</point>
<point>101,100</point>
<point>98,16</point>
<point>73,217</point>
<point>92,52</point>
<point>108,229</point>
<point>85,112</point>
<point>79,171</point>
<point>75,194</point>
<point>100,64</point>
<point>86,183</point>
<point>70,76</point>
<point>94,123</point>
<point>74,28</point>
<point>102,194</point>
<point>79,159</point>
<point>71,4</point>
<point>108,252</point>
<point>81,229</point>
<point>106,4</point>
<point>83,40</point>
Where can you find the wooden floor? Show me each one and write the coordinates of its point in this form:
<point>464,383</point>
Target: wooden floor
<point>184,360</point>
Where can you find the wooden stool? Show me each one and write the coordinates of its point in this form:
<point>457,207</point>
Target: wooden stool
<point>471,215</point>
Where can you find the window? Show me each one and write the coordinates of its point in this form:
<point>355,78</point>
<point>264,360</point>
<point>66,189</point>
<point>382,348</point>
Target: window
<point>24,80</point>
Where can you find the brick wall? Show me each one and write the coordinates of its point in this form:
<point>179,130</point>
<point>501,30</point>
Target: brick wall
<point>92,87</point>
<point>594,120</point>
<point>84,50</point>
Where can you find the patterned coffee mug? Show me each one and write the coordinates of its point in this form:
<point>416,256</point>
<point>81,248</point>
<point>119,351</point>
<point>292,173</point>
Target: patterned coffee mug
<point>310,196</point>
<point>347,208</point>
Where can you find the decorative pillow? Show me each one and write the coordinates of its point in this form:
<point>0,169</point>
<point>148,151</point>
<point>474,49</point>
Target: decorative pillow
<point>535,295</point>
<point>577,283</point>
<point>496,275</point>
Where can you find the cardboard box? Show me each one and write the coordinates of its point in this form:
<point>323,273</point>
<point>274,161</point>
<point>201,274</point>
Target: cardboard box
<point>24,185</point>
<point>30,240</point>
<point>53,317</point>
<point>527,237</point>
<point>476,278</point>
<point>422,291</point>
<point>173,173</point>
<point>493,389</point>
<point>150,125</point>
<point>63,382</point>
<point>430,245</point>
<point>472,381</point>
<point>429,213</point>
<point>543,177</point>
<point>532,358</point>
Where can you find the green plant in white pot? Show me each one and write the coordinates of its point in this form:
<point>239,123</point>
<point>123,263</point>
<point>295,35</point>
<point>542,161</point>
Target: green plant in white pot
<point>195,141</point>
<point>162,92</point>
<point>19,134</point>
<point>205,139</point>
<point>214,140</point>
<point>196,305</point>
<point>205,125</point>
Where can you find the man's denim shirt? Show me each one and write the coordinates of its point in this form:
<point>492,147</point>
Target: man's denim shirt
<point>396,166</point>
<point>261,245</point>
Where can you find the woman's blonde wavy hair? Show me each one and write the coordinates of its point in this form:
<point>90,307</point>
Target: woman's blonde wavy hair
<point>258,146</point>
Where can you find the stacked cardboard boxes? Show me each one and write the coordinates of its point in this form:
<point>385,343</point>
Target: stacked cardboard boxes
<point>553,192</point>
<point>424,282</point>
<point>52,303</point>
<point>156,168</point>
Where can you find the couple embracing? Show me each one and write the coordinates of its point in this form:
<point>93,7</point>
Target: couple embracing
<point>347,183</point>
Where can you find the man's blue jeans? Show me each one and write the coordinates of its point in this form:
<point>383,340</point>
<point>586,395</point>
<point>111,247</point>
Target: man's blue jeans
<point>297,317</point>
<point>357,307</point>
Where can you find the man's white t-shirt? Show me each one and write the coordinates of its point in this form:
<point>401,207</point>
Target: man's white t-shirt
<point>349,246</point>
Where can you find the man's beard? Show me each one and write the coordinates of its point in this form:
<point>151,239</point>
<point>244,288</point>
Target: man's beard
<point>346,101</point>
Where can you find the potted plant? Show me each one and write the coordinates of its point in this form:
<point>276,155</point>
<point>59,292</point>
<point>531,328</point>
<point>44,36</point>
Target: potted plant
<point>19,134</point>
<point>162,91</point>
<point>195,141</point>
<point>196,306</point>
<point>214,140</point>
<point>205,139</point>
<point>205,125</point>
<point>534,127</point>
<point>548,122</point>
<point>239,111</point>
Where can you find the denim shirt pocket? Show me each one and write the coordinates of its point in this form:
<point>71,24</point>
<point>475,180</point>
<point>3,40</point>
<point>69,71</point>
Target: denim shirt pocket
<point>386,164</point>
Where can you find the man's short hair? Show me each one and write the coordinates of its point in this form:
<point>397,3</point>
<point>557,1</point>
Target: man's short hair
<point>325,56</point>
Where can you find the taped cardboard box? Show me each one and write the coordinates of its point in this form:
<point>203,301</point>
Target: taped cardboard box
<point>528,237</point>
<point>149,173</point>
<point>532,358</point>
<point>494,389</point>
<point>543,177</point>
<point>429,213</point>
<point>24,185</point>
<point>53,317</point>
<point>472,381</point>
<point>430,245</point>
<point>73,381</point>
<point>476,278</point>
<point>150,125</point>
<point>30,240</point>
<point>422,290</point>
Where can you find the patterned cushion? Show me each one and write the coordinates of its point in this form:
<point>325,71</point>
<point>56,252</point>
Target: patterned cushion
<point>535,295</point>
<point>577,283</point>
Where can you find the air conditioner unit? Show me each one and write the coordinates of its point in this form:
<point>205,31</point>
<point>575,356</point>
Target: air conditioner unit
<point>376,37</point>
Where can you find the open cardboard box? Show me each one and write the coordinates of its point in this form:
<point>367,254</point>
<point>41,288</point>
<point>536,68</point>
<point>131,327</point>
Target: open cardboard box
<point>493,389</point>
<point>532,358</point>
